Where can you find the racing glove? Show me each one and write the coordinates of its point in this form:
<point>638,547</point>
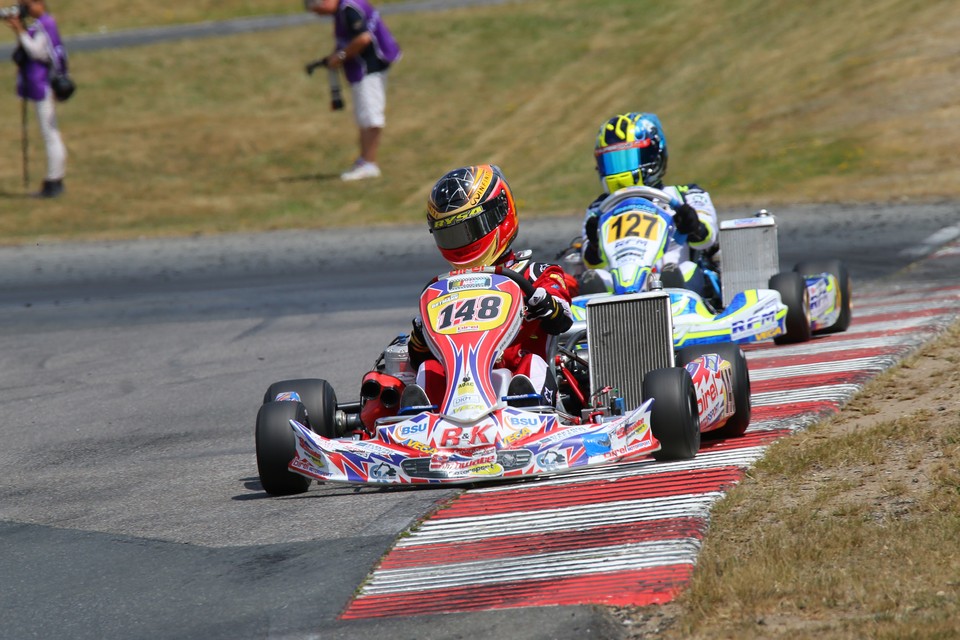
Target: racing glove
<point>591,250</point>
<point>541,304</point>
<point>689,224</point>
<point>417,349</point>
<point>591,226</point>
<point>553,317</point>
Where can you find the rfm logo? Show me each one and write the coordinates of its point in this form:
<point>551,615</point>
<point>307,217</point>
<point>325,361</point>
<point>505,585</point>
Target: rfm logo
<point>754,321</point>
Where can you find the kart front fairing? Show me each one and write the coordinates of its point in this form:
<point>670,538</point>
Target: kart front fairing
<point>508,443</point>
<point>634,232</point>
<point>469,318</point>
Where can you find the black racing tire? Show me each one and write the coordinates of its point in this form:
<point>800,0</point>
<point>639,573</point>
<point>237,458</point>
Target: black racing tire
<point>674,418</point>
<point>793,292</point>
<point>731,352</point>
<point>838,269</point>
<point>319,399</point>
<point>277,445</point>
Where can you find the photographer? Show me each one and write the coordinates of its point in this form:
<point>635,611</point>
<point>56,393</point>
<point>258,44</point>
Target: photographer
<point>40,48</point>
<point>365,49</point>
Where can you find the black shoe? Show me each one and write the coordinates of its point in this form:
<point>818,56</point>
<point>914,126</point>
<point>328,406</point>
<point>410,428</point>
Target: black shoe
<point>414,399</point>
<point>520,385</point>
<point>520,393</point>
<point>51,189</point>
<point>592,282</point>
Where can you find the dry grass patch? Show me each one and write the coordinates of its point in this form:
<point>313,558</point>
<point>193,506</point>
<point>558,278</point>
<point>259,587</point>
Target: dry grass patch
<point>847,530</point>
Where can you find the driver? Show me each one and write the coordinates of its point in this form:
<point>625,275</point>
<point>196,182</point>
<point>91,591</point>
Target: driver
<point>631,150</point>
<point>473,218</point>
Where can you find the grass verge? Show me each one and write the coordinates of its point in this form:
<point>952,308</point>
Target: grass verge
<point>816,101</point>
<point>847,530</point>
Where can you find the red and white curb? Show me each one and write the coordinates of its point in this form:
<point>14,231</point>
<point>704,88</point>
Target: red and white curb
<point>630,534</point>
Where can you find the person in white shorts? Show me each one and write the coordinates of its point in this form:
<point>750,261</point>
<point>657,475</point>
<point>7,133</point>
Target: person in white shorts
<point>365,49</point>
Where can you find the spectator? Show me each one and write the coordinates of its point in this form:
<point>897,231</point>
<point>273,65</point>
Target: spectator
<point>365,49</point>
<point>39,49</point>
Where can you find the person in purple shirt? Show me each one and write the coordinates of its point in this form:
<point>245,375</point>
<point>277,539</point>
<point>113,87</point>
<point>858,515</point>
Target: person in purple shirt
<point>39,48</point>
<point>365,49</point>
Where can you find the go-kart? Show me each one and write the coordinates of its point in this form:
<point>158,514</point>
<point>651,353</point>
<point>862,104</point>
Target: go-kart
<point>481,429</point>
<point>634,228</point>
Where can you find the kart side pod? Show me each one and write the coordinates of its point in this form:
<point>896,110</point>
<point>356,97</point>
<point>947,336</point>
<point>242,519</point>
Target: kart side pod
<point>629,336</point>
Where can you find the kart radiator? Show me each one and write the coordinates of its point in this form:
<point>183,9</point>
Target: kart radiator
<point>749,254</point>
<point>629,336</point>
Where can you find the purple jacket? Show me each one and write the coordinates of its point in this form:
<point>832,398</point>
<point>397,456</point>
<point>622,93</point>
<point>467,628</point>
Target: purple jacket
<point>34,77</point>
<point>385,47</point>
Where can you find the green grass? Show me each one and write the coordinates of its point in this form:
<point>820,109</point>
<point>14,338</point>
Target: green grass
<point>762,104</point>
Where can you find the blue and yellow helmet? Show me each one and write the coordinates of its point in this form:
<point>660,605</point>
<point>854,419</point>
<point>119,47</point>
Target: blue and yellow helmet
<point>631,150</point>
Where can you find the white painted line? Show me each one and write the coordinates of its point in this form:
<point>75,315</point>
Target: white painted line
<point>560,564</point>
<point>831,393</point>
<point>916,323</point>
<point>905,307</point>
<point>876,363</point>
<point>581,516</point>
<point>816,347</point>
<point>935,241</point>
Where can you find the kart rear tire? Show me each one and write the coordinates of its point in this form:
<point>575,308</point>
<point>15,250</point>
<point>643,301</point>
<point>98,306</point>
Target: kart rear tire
<point>737,424</point>
<point>838,270</point>
<point>793,292</point>
<point>674,419</point>
<point>319,399</point>
<point>277,446</point>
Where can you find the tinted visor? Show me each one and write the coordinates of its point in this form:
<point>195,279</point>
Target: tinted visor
<point>625,157</point>
<point>454,233</point>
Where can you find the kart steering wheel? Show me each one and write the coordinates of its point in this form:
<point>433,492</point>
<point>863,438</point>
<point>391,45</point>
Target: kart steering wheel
<point>525,286</point>
<point>661,197</point>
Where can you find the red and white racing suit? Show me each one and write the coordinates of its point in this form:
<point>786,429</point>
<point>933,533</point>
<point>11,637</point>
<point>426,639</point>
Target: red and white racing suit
<point>528,352</point>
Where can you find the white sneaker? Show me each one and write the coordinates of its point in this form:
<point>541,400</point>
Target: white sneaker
<point>361,171</point>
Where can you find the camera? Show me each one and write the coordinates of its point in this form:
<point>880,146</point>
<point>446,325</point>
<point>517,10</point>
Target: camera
<point>333,76</point>
<point>16,11</point>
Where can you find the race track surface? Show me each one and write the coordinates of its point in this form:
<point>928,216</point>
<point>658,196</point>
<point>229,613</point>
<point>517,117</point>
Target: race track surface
<point>130,377</point>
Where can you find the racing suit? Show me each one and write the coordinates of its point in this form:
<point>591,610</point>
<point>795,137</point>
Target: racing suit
<point>676,255</point>
<point>529,350</point>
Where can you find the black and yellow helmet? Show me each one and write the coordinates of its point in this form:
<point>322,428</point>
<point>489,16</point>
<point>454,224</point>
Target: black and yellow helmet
<point>631,150</point>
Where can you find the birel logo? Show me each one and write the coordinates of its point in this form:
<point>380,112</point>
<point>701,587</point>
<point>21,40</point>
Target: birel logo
<point>469,282</point>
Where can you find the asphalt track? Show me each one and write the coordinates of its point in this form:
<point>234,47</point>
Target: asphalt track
<point>130,376</point>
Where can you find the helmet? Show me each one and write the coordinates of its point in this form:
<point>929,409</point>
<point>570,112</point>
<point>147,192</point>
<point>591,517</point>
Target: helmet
<point>631,149</point>
<point>472,216</point>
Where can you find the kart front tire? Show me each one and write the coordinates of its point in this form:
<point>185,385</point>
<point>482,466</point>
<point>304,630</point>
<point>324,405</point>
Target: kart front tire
<point>276,447</point>
<point>838,270</point>
<point>793,292</point>
<point>674,418</point>
<point>319,399</point>
<point>737,424</point>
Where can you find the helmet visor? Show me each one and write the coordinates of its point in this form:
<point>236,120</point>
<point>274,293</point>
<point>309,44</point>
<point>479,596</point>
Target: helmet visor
<point>466,228</point>
<point>625,157</point>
